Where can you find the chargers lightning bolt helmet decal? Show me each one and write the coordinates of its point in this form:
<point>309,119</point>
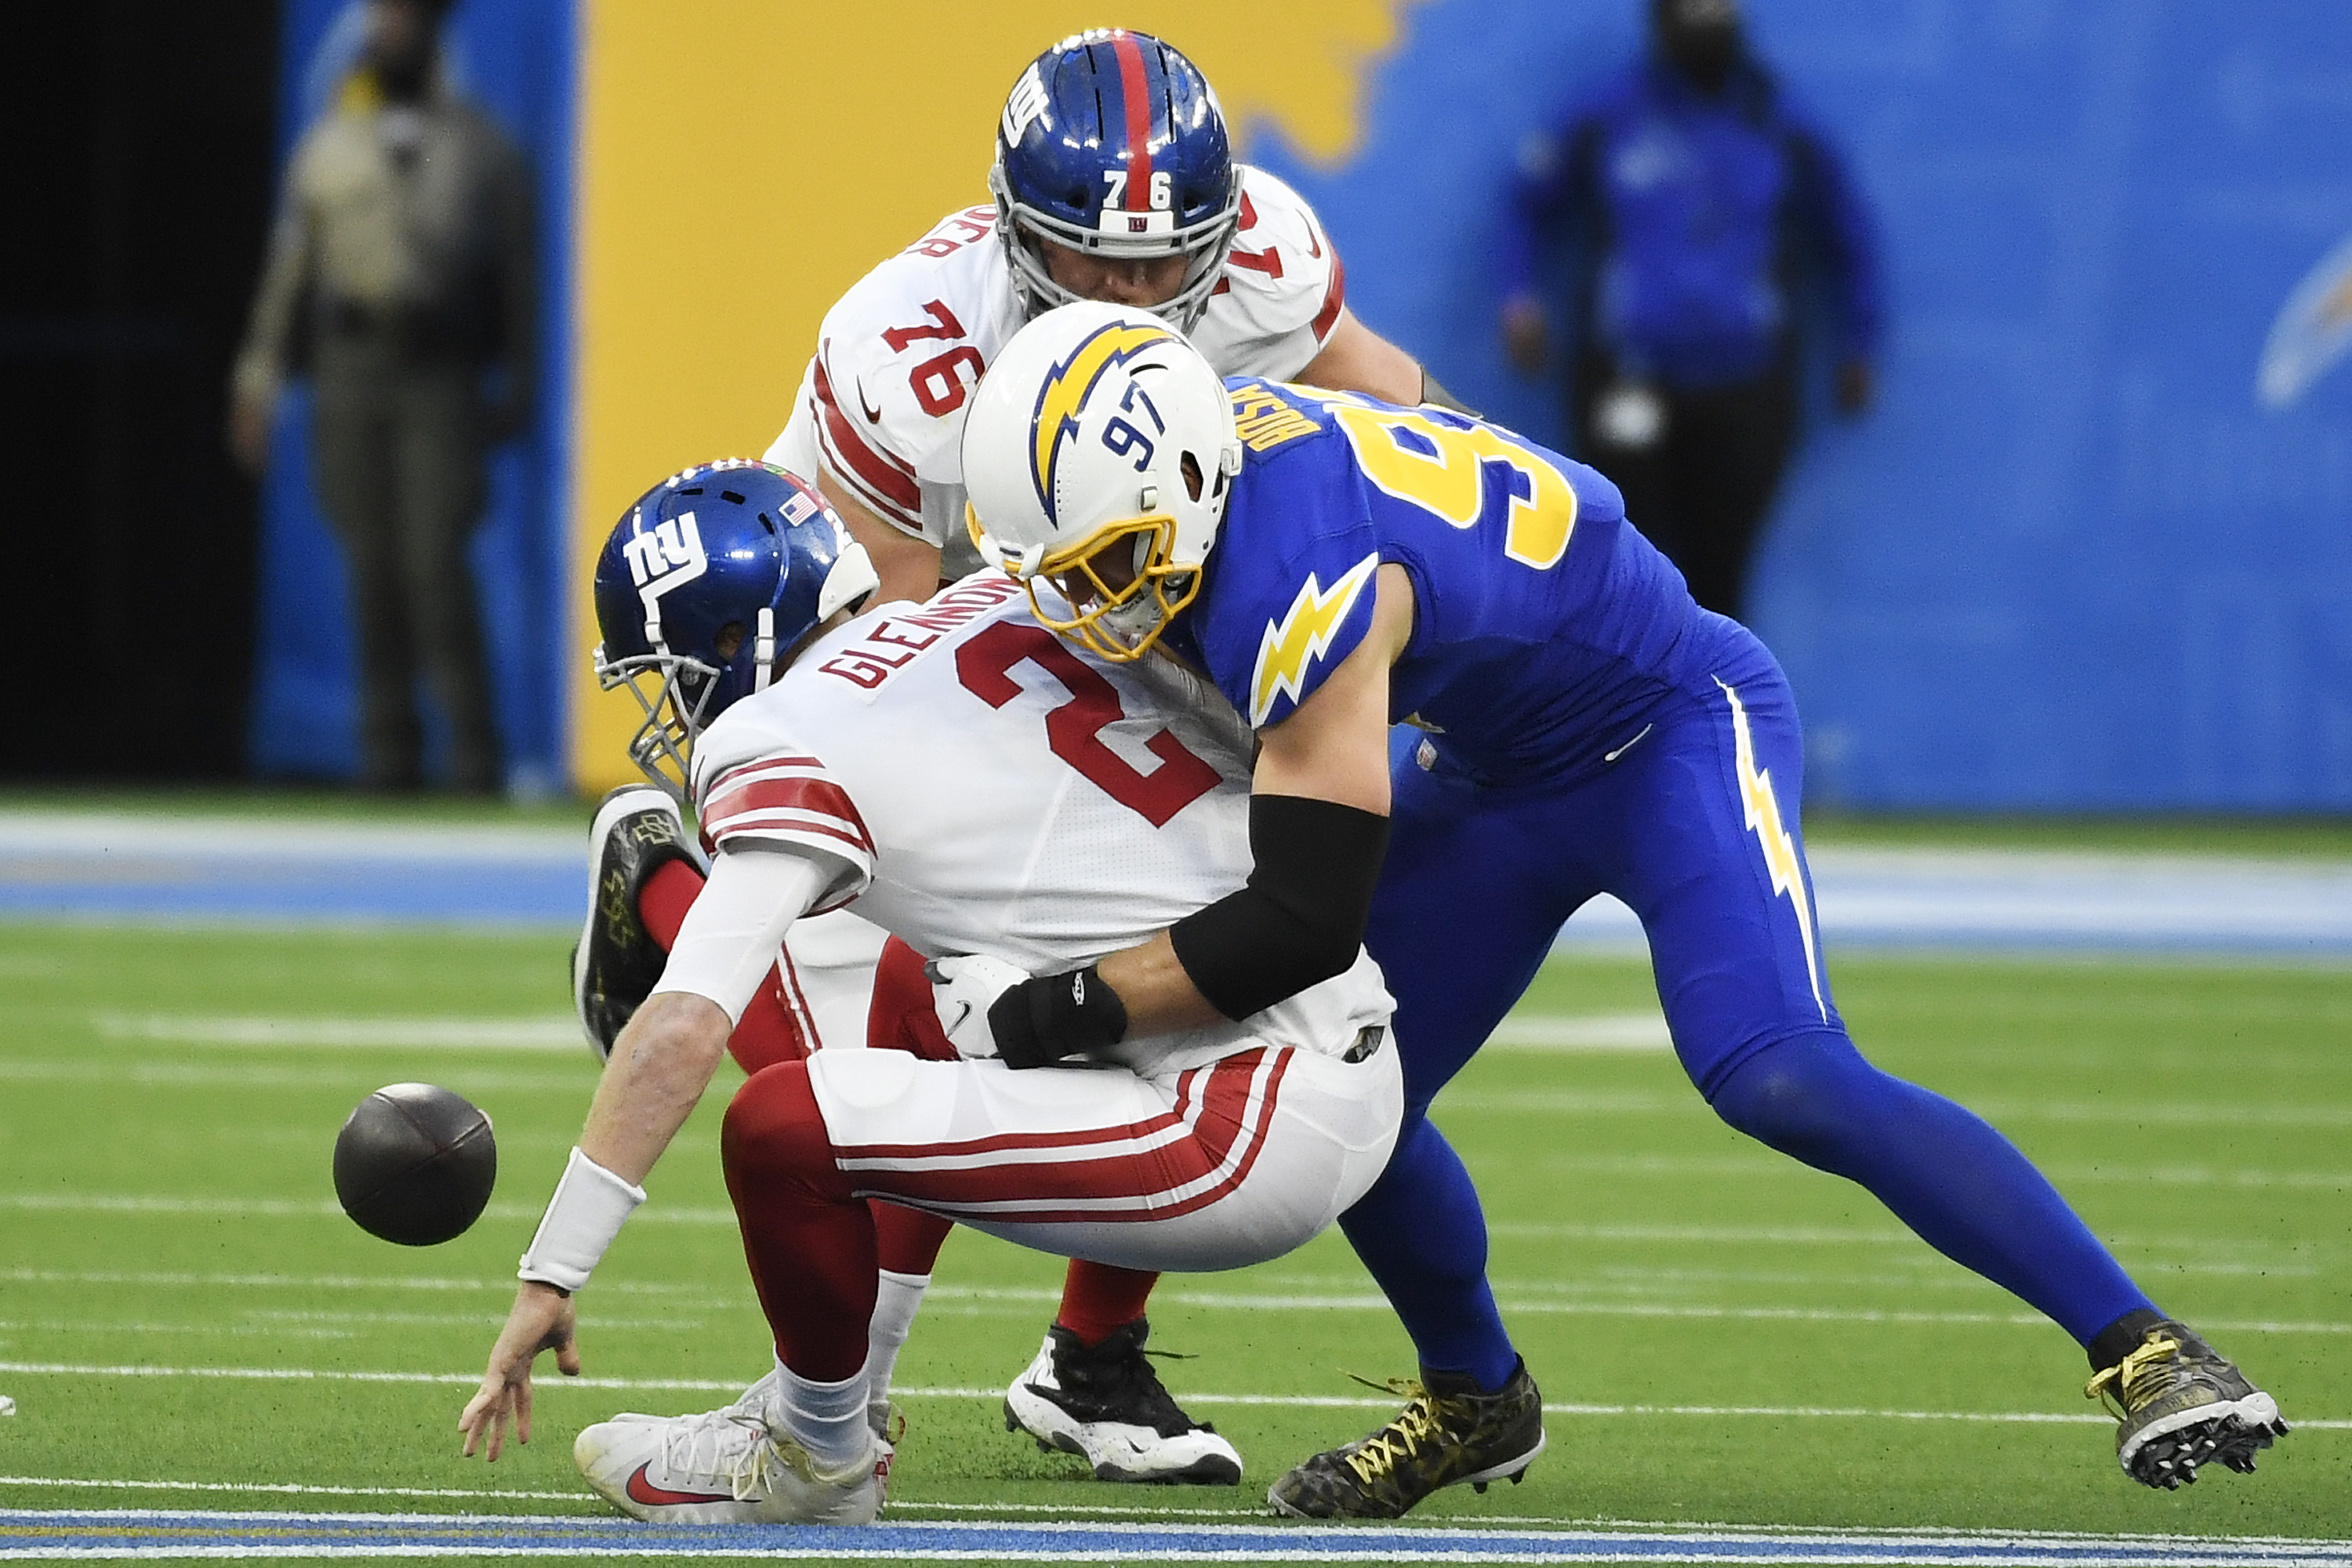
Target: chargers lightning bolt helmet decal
<point>1098,456</point>
<point>706,579</point>
<point>1111,142</point>
<point>1054,423</point>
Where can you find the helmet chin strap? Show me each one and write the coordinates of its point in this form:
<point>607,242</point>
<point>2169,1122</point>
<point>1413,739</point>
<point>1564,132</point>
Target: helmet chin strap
<point>764,650</point>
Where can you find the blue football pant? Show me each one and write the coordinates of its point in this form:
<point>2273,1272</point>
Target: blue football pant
<point>1695,828</point>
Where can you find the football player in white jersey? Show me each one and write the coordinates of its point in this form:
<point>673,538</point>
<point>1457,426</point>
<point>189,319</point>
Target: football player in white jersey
<point>956,770</point>
<point>1114,180</point>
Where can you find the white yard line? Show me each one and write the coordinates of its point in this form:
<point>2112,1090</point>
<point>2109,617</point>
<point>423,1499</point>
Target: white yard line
<point>549,1035</point>
<point>346,1075</point>
<point>1191,1396</point>
<point>1517,1297</point>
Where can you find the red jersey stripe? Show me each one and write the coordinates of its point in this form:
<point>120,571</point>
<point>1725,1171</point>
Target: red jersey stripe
<point>877,472</point>
<point>817,804</point>
<point>1334,297</point>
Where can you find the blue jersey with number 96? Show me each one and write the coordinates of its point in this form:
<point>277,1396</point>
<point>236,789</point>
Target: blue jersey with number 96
<point>1544,629</point>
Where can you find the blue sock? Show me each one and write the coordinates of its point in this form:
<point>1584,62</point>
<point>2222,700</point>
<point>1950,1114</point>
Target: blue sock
<point>1421,1234</point>
<point>1943,1171</point>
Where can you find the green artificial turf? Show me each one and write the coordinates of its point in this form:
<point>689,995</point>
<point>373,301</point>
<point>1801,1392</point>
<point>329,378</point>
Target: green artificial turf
<point>1737,1339</point>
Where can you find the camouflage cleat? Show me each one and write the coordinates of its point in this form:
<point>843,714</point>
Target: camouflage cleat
<point>638,831</point>
<point>1105,1404</point>
<point>1448,1434</point>
<point>2179,1404</point>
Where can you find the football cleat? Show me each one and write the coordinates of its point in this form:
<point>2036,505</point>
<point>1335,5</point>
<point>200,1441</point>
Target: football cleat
<point>1448,1435</point>
<point>1105,1404</point>
<point>724,1467</point>
<point>637,830</point>
<point>2178,1403</point>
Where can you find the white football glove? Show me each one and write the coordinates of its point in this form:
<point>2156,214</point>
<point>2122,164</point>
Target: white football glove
<point>963,988</point>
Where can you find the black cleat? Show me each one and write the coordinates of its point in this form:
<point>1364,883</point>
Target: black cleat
<point>1448,1435</point>
<point>2178,1403</point>
<point>614,968</point>
<point>1106,1405</point>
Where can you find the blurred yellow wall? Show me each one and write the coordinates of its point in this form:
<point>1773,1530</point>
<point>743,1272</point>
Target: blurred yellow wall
<point>743,161</point>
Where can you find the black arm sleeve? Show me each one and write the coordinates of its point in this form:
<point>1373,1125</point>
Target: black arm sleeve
<point>1301,917</point>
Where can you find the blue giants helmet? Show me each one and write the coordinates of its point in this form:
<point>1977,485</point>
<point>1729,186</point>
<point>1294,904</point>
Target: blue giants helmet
<point>1112,143</point>
<point>706,579</point>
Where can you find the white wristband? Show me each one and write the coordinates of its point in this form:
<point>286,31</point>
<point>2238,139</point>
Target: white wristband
<point>582,1219</point>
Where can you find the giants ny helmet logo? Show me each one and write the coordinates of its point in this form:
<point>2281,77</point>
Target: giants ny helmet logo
<point>663,557</point>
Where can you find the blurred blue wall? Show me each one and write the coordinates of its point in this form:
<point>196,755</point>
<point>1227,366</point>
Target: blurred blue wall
<point>2070,561</point>
<point>518,58</point>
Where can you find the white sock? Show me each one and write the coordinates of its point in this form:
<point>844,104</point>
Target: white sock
<point>829,1419</point>
<point>894,1300</point>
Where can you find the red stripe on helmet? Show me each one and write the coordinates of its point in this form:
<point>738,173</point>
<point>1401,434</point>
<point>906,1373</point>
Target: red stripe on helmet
<point>1139,120</point>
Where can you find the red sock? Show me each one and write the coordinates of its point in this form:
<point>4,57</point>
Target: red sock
<point>663,901</point>
<point>1098,1300</point>
<point>908,1241</point>
<point>810,1243</point>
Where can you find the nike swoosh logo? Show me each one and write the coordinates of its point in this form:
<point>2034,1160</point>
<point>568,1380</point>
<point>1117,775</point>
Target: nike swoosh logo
<point>1612,756</point>
<point>960,1017</point>
<point>1314,243</point>
<point>873,415</point>
<point>643,1490</point>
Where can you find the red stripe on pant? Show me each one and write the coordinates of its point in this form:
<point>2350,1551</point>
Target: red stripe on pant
<point>1098,1299</point>
<point>1038,1190</point>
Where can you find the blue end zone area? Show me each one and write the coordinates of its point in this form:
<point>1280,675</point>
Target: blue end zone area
<point>140,1533</point>
<point>258,872</point>
<point>248,871</point>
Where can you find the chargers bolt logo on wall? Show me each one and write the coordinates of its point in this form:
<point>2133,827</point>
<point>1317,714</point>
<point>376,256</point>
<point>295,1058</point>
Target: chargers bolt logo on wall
<point>2313,331</point>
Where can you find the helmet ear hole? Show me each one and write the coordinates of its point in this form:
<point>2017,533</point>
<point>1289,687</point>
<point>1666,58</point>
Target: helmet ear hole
<point>1191,467</point>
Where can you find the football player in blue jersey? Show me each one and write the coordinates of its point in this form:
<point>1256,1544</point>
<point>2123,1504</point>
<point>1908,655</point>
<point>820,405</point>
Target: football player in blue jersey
<point>1587,728</point>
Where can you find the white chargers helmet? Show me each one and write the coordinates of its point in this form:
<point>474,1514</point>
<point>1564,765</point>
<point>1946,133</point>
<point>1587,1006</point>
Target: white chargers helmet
<point>1098,455</point>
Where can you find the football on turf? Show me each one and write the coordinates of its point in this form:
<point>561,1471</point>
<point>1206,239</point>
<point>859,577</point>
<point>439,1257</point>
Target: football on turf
<point>415,1165</point>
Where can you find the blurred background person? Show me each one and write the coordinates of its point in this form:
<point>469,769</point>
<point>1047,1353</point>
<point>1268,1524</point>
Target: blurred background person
<point>401,278</point>
<point>1696,202</point>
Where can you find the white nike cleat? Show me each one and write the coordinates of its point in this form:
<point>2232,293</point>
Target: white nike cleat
<point>724,1467</point>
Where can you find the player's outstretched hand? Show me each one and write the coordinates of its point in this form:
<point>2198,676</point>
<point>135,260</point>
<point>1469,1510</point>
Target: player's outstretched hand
<point>543,1320</point>
<point>963,988</point>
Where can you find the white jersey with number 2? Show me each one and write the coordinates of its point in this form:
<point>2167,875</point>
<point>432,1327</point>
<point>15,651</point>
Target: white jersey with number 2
<point>977,785</point>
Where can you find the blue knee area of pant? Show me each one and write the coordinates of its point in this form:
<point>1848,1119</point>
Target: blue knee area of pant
<point>1944,1171</point>
<point>1813,1097</point>
<point>1421,1234</point>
